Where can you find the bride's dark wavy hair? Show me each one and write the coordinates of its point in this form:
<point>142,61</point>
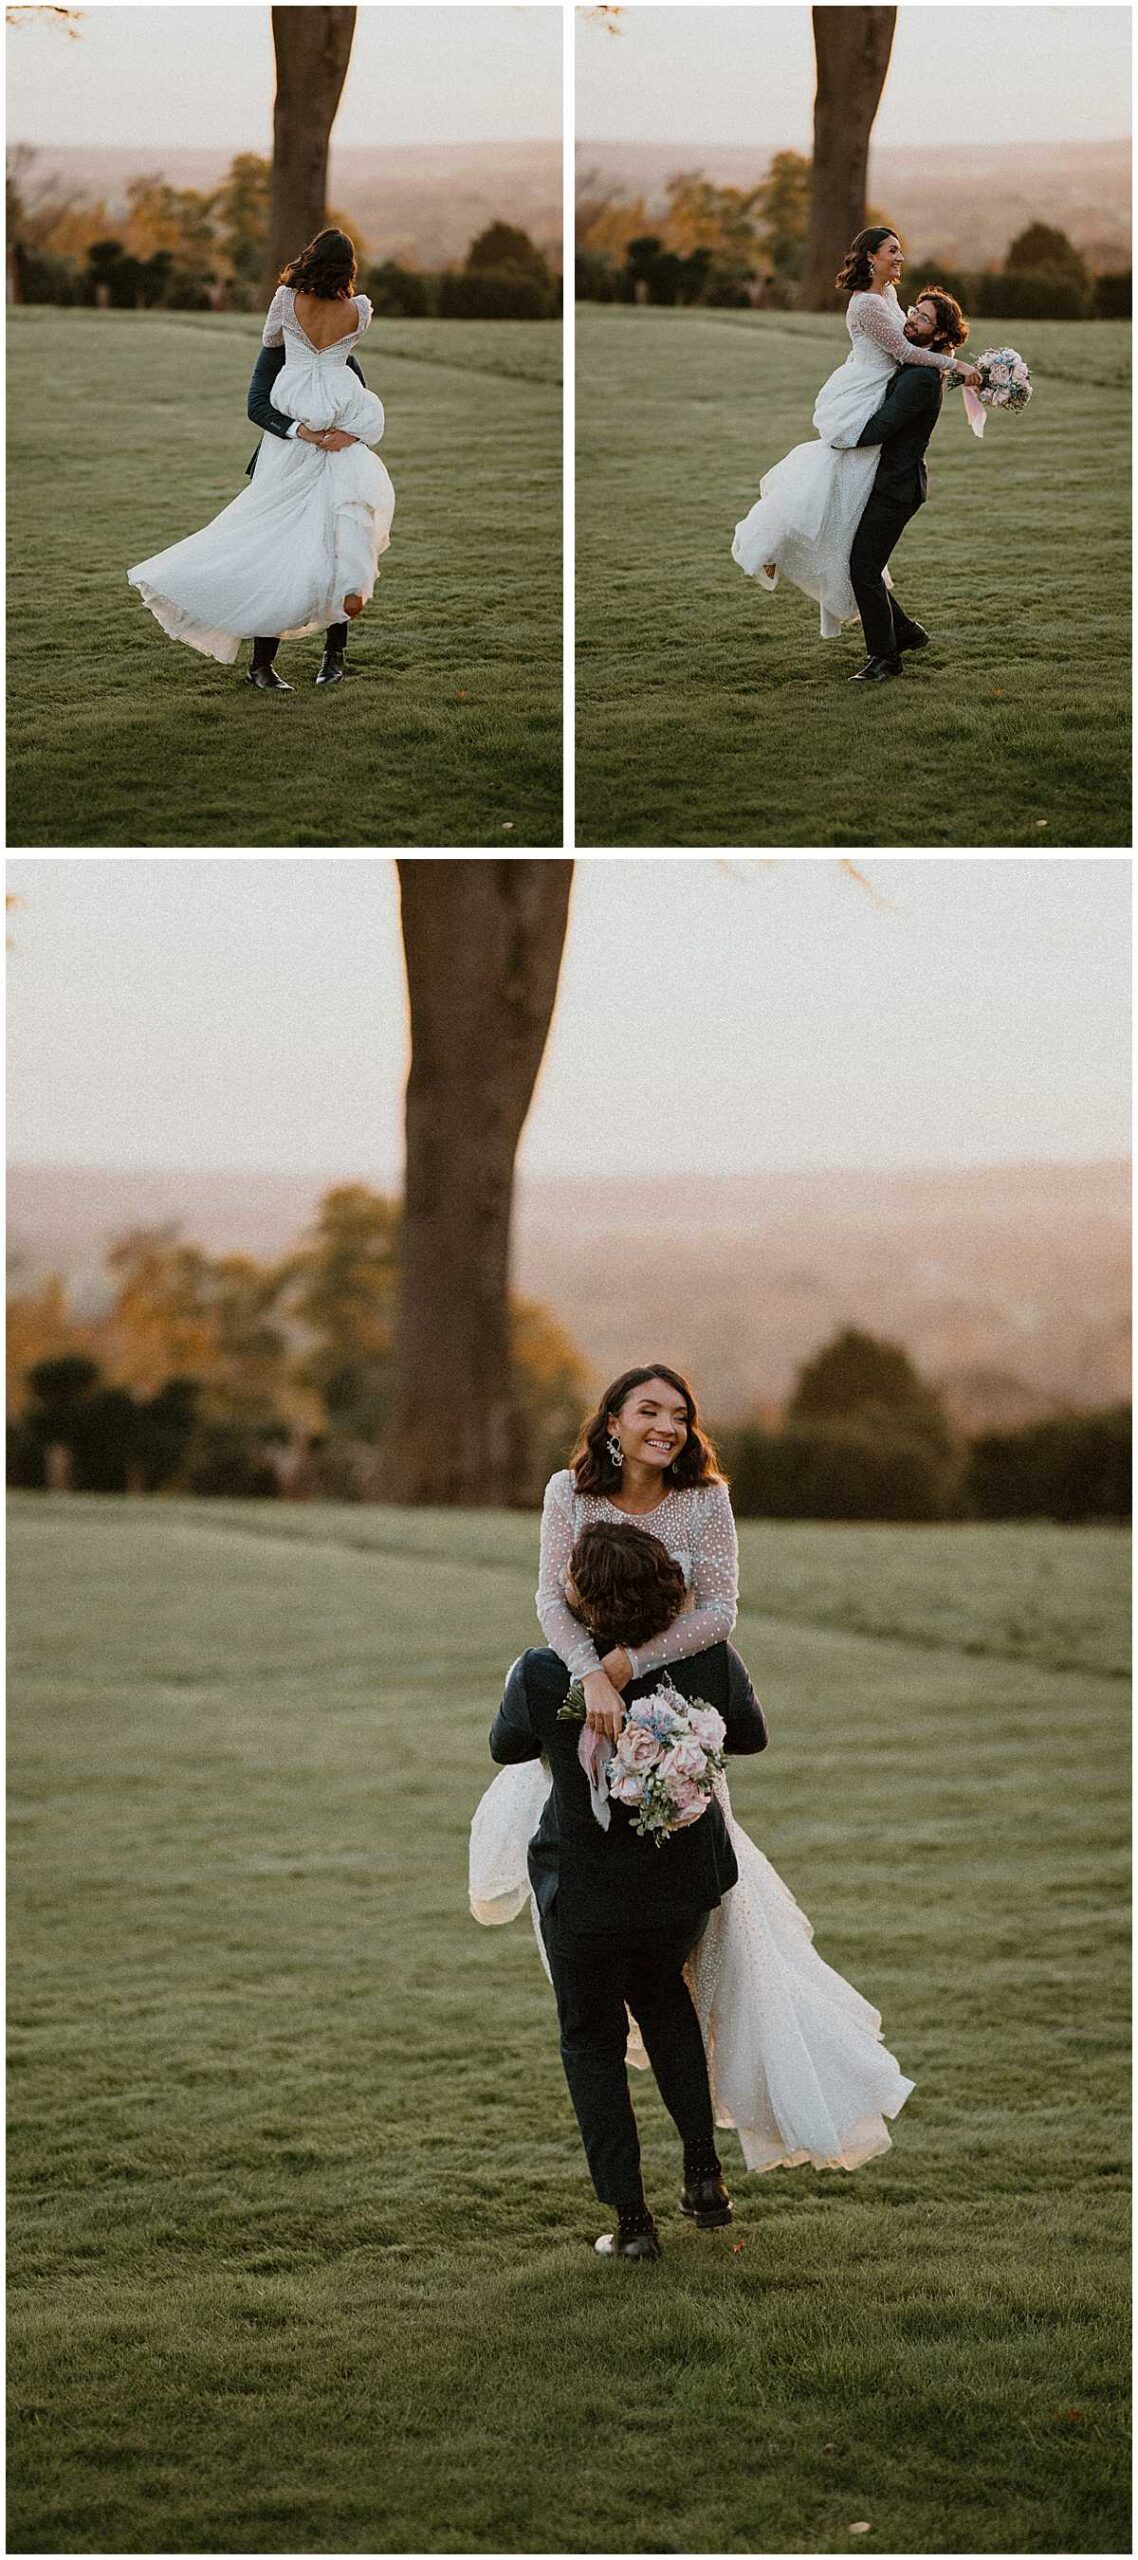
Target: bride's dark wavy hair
<point>855,273</point>
<point>592,1468</point>
<point>327,267</point>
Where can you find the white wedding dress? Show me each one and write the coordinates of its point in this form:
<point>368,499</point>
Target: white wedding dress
<point>794,2054</point>
<point>309,527</point>
<point>810,505</point>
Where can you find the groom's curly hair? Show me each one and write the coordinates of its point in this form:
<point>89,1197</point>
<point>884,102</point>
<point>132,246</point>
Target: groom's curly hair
<point>951,326</point>
<point>626,1583</point>
<point>327,267</point>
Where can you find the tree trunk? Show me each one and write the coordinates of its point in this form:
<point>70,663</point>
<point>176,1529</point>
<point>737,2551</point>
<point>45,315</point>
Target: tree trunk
<point>483,943</point>
<point>312,48</point>
<point>851,48</point>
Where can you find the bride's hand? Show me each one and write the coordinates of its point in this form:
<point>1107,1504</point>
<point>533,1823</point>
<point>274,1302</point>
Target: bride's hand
<point>334,440</point>
<point>604,1709</point>
<point>971,376</point>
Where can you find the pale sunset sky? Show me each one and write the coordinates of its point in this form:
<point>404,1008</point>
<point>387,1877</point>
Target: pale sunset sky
<point>202,75</point>
<point>723,1016</point>
<point>957,75</point>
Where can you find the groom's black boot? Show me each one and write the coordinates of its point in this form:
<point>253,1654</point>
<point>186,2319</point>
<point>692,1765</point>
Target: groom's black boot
<point>635,2236</point>
<point>877,671</point>
<point>334,665</point>
<point>262,672</point>
<point>704,2196</point>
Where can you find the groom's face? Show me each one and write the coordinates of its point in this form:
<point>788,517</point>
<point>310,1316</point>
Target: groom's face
<point>920,323</point>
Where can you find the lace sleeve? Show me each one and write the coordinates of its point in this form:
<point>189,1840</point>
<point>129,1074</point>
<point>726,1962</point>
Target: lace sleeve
<point>715,1584</point>
<point>366,313</point>
<point>272,335</point>
<point>558,1624</point>
<point>880,321</point>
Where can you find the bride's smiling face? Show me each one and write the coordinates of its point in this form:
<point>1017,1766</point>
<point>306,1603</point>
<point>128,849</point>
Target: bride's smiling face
<point>652,1424</point>
<point>887,262</point>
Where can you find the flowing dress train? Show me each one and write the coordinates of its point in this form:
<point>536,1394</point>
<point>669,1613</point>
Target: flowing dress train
<point>794,2054</point>
<point>307,530</point>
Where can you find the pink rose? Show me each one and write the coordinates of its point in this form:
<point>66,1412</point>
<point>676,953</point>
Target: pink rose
<point>627,1787</point>
<point>690,1812</point>
<point>684,1761</point>
<point>637,1748</point>
<point>708,1727</point>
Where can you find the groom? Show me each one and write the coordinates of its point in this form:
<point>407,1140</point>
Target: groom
<point>620,1914</point>
<point>902,427</point>
<point>275,422</point>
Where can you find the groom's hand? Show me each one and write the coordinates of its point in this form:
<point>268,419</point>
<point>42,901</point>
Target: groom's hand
<point>334,440</point>
<point>604,1707</point>
<point>617,1667</point>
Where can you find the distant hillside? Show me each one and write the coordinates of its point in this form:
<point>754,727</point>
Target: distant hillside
<point>422,203</point>
<point>1010,1286</point>
<point>967,204</point>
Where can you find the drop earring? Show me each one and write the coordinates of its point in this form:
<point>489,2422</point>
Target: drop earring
<point>616,1453</point>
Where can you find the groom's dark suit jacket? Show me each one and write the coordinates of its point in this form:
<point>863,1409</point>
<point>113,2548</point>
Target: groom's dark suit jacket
<point>902,427</point>
<point>259,406</point>
<point>614,1879</point>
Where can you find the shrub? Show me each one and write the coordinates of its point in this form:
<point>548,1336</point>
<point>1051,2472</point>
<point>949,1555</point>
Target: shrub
<point>1112,295</point>
<point>399,293</point>
<point>490,293</point>
<point>837,1471</point>
<point>1074,1467</point>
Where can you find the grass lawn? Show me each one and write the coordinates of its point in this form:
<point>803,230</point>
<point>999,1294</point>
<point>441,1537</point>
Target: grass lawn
<point>127,431</point>
<point>299,2218</point>
<point>710,713</point>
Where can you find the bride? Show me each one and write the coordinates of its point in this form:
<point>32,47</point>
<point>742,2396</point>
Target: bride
<point>299,549</point>
<point>794,2053</point>
<point>808,509</point>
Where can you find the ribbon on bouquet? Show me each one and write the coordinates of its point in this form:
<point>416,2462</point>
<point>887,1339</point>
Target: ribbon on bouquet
<point>975,413</point>
<point>594,1751</point>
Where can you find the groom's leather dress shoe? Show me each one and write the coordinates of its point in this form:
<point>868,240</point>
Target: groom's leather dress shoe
<point>706,2203</point>
<point>635,2244</point>
<point>333,667</point>
<point>877,671</point>
<point>916,637</point>
<point>267,680</point>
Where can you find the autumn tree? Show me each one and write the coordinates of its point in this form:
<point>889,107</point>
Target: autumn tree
<point>858,1377</point>
<point>341,1287</point>
<point>851,50</point>
<point>312,48</point>
<point>241,208</point>
<point>783,206</point>
<point>503,246</point>
<point>482,944</point>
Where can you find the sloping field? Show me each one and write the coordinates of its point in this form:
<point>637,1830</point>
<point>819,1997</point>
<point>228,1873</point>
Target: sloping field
<point>710,713</point>
<point>299,2220</point>
<point>127,431</point>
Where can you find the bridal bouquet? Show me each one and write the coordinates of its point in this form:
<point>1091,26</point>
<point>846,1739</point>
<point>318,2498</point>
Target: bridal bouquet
<point>665,1765</point>
<point>1005,383</point>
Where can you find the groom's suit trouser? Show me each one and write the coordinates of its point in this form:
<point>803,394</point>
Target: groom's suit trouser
<point>594,1976</point>
<point>265,649</point>
<point>882,619</point>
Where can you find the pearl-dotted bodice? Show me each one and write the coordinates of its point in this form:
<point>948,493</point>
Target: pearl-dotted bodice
<point>696,1525</point>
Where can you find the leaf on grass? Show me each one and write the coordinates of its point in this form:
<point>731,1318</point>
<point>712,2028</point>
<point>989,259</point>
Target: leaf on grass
<point>736,2246</point>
